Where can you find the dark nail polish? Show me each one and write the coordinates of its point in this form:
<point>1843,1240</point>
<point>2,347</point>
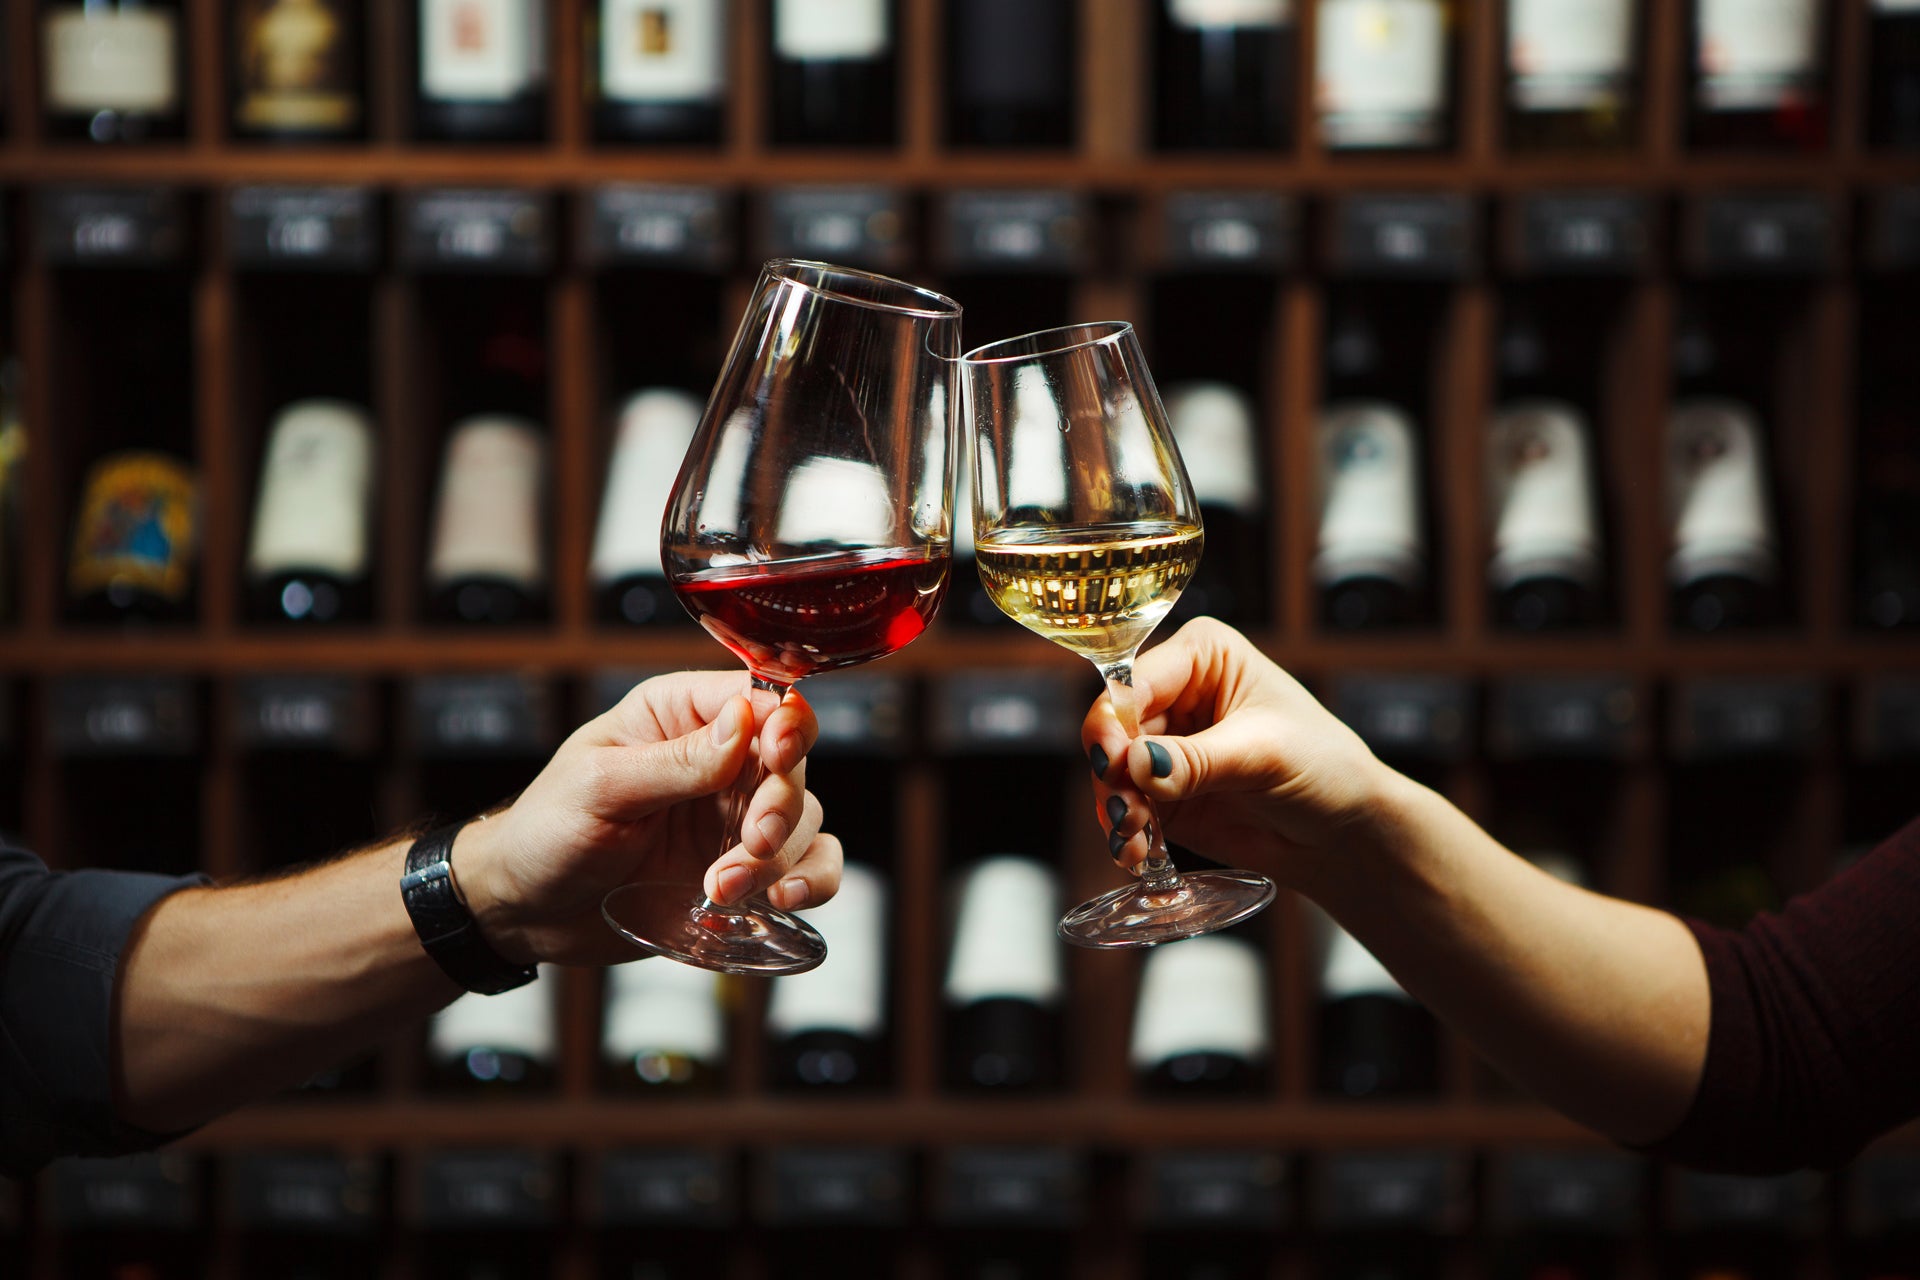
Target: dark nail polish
<point>1162,762</point>
<point>1097,756</point>
<point>1115,843</point>
<point>1116,811</point>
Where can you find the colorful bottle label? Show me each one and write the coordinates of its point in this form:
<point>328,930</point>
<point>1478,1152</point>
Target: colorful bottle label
<point>139,527</point>
<point>481,50</point>
<point>295,66</point>
<point>122,60</point>
<point>1757,55</point>
<point>663,50</point>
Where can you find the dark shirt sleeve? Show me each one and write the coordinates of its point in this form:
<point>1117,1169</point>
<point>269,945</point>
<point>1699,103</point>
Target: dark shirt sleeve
<point>1814,1045</point>
<point>61,934</point>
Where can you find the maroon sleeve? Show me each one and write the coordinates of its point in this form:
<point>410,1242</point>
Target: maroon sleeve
<point>1814,1045</point>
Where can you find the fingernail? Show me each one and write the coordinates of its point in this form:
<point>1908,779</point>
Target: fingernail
<point>728,724</point>
<point>1115,843</point>
<point>793,893</point>
<point>1116,811</point>
<point>772,829</point>
<point>1161,761</point>
<point>1097,756</point>
<point>734,884</point>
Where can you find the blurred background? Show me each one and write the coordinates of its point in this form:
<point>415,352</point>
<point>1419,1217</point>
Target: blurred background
<point>1545,368</point>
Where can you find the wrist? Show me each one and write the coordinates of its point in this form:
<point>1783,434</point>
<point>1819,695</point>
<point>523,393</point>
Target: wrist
<point>1378,839</point>
<point>478,861</point>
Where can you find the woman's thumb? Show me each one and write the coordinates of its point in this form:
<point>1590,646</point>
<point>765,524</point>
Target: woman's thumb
<point>1226,757</point>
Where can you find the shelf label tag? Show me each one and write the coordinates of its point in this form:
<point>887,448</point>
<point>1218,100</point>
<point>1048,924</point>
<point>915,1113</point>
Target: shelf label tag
<point>1418,235</point>
<point>1719,718</point>
<point>667,1188</point>
<point>1212,1189</point>
<point>479,715</point>
<point>1042,231</point>
<point>1893,229</point>
<point>110,226</point>
<point>1410,717</point>
<point>860,226</point>
<point>834,1186</point>
<point>123,716</point>
<point>1761,233</point>
<point>331,228</point>
<point>1230,230</point>
<point>1884,1194</point>
<point>1790,1205</point>
<point>859,713</point>
<point>1582,717</point>
<point>988,711</point>
<point>303,712</point>
<point>1580,233</point>
<point>1366,1190</point>
<point>153,1192</point>
<point>657,226</point>
<point>487,1189</point>
<point>1887,718</point>
<point>305,1191</point>
<point>1010,1187</point>
<point>471,229</point>
<point>1592,1193</point>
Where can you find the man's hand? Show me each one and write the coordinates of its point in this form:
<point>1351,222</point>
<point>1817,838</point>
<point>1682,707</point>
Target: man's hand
<point>640,794</point>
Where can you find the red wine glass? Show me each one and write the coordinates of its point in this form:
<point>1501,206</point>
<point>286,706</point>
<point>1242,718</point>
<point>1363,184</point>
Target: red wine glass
<point>809,530</point>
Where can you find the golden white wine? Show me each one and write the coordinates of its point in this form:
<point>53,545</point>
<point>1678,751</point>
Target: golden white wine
<point>1098,590</point>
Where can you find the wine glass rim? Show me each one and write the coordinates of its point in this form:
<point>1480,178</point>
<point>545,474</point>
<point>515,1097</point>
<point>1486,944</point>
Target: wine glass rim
<point>783,269</point>
<point>1042,343</point>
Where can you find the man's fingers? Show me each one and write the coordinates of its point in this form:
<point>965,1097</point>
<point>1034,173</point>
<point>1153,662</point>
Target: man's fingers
<point>788,734</point>
<point>737,874</point>
<point>813,879</point>
<point>774,812</point>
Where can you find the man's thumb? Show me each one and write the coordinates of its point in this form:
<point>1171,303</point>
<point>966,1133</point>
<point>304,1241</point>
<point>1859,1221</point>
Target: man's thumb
<point>695,764</point>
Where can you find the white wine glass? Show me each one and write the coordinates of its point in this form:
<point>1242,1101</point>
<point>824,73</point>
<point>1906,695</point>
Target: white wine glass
<point>1085,531</point>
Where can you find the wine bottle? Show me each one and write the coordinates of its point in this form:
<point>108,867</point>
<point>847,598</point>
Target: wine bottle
<point>297,70</point>
<point>665,1033</point>
<point>1572,78</point>
<point>1004,980</point>
<point>1200,1027</point>
<point>483,70</point>
<point>500,1044</point>
<point>110,70</point>
<point>1893,45</point>
<point>1723,567</point>
<point>135,540</point>
<point>1010,72</point>
<point>1375,1042</point>
<point>1214,424</point>
<point>833,74</point>
<point>1757,77</point>
<point>629,582</point>
<point>488,560</point>
<point>659,71</point>
<point>1382,74</point>
<point>827,1029</point>
<point>307,559</point>
<point>1224,75</point>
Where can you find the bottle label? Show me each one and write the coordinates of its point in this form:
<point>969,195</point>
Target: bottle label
<point>656,429</point>
<point>1004,942</point>
<point>1382,72</point>
<point>517,1021</point>
<point>489,519</point>
<point>848,991</point>
<point>1757,55</point>
<point>663,50</point>
<point>1540,479</point>
<point>118,61</point>
<point>315,490</point>
<point>1896,6</point>
<point>663,1007</point>
<point>139,525</point>
<point>1203,995</point>
<point>1370,496</point>
<point>1351,970</point>
<point>824,30</point>
<point>1717,494</point>
<point>1213,423</point>
<point>481,50</point>
<point>1569,55</point>
<point>1218,14</point>
<point>293,66</point>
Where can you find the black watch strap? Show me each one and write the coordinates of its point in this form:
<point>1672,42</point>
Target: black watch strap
<point>447,929</point>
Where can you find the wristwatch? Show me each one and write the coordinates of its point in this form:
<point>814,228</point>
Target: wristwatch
<point>447,929</point>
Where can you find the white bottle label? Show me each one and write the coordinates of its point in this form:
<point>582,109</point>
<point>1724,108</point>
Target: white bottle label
<point>1567,55</point>
<point>1349,969</point>
<point>1221,14</point>
<point>658,1006</point>
<point>481,50</point>
<point>825,30</point>
<point>1717,494</point>
<point>663,50</point>
<point>120,60</point>
<point>1756,55</point>
<point>517,1021</point>
<point>656,427</point>
<point>489,519</point>
<point>1203,995</point>
<point>1213,423</point>
<point>1540,482</point>
<point>1005,943</point>
<point>848,991</point>
<point>1896,6</point>
<point>1382,72</point>
<point>316,487</point>
<point>1370,496</point>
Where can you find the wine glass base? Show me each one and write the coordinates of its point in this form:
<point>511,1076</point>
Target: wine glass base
<point>751,937</point>
<point>1135,915</point>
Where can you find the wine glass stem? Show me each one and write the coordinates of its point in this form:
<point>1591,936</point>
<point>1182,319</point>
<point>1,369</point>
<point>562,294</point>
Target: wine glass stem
<point>740,795</point>
<point>1157,871</point>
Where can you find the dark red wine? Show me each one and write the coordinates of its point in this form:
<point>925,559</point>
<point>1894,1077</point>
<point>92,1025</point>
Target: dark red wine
<point>796,618</point>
